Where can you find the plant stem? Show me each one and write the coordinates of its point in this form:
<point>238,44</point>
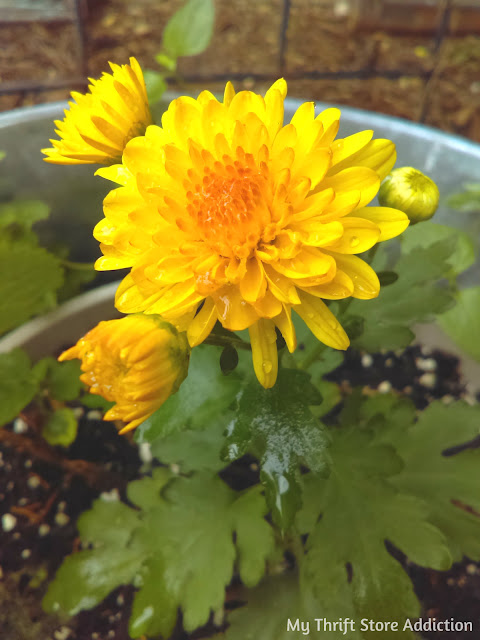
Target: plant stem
<point>313,357</point>
<point>224,341</point>
<point>79,266</point>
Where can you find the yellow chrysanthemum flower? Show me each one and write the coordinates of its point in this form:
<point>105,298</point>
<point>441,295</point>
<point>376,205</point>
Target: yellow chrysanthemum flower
<point>137,362</point>
<point>99,124</point>
<point>225,214</point>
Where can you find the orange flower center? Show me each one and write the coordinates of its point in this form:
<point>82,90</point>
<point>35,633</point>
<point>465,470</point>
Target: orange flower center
<point>229,207</point>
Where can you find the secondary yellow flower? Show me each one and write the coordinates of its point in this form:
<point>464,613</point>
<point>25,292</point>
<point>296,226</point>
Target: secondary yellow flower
<point>99,124</point>
<point>225,214</point>
<point>137,362</point>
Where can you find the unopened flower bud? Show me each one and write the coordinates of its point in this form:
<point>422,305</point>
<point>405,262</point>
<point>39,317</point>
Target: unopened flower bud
<point>411,191</point>
<point>137,362</point>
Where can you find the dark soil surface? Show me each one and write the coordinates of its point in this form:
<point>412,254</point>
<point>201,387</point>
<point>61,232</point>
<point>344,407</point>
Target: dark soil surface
<point>44,490</point>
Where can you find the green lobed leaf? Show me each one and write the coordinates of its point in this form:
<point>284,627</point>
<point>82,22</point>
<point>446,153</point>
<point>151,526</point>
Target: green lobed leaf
<point>30,277</point>
<point>278,607</point>
<point>267,610</point>
<point>145,493</point>
<point>277,426</point>
<point>192,450</point>
<point>190,534</point>
<point>204,396</point>
<point>445,482</point>
<point>61,427</point>
<point>461,322</point>
<point>18,384</point>
<point>23,214</point>
<point>359,510</point>
<point>74,282</point>
<point>62,379</point>
<point>179,548</point>
<point>467,201</point>
<point>94,401</point>
<point>154,606</point>
<point>425,235</point>
<point>415,297</point>
<point>190,29</point>
<point>85,578</point>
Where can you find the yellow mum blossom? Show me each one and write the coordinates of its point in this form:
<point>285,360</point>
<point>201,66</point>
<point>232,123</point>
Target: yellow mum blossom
<point>99,124</point>
<point>224,214</point>
<point>137,362</point>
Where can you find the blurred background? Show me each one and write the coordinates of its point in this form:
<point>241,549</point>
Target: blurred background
<point>417,59</point>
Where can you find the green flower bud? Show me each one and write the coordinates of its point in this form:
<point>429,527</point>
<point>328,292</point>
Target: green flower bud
<point>411,191</point>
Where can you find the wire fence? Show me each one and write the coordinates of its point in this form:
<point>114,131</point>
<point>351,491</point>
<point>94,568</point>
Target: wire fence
<point>418,59</point>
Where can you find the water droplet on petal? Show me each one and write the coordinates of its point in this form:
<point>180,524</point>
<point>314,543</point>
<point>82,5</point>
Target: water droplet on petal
<point>333,323</point>
<point>267,366</point>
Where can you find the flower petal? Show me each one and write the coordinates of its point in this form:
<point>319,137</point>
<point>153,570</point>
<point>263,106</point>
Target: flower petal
<point>341,286</point>
<point>203,323</point>
<point>391,222</point>
<point>365,280</point>
<point>253,284</point>
<point>233,311</point>
<point>359,235</point>
<point>284,323</point>
<point>321,322</point>
<point>263,339</point>
<point>361,179</point>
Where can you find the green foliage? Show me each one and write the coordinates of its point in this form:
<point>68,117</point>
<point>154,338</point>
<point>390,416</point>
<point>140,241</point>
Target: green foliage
<point>192,450</point>
<point>61,427</point>
<point>189,30</point>
<point>204,397</point>
<point>18,384</point>
<point>360,510</point>
<point>87,577</point>
<point>417,296</point>
<point>268,608</point>
<point>17,218</point>
<point>467,201</point>
<point>62,379</point>
<point>444,482</point>
<point>461,322</point>
<point>390,480</point>
<point>178,548</point>
<point>30,277</point>
<point>425,235</point>
<point>75,277</point>
<point>94,401</point>
<point>277,426</point>
<point>155,84</point>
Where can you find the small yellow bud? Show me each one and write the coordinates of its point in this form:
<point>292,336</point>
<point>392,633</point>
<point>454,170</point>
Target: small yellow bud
<point>411,191</point>
<point>137,362</point>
